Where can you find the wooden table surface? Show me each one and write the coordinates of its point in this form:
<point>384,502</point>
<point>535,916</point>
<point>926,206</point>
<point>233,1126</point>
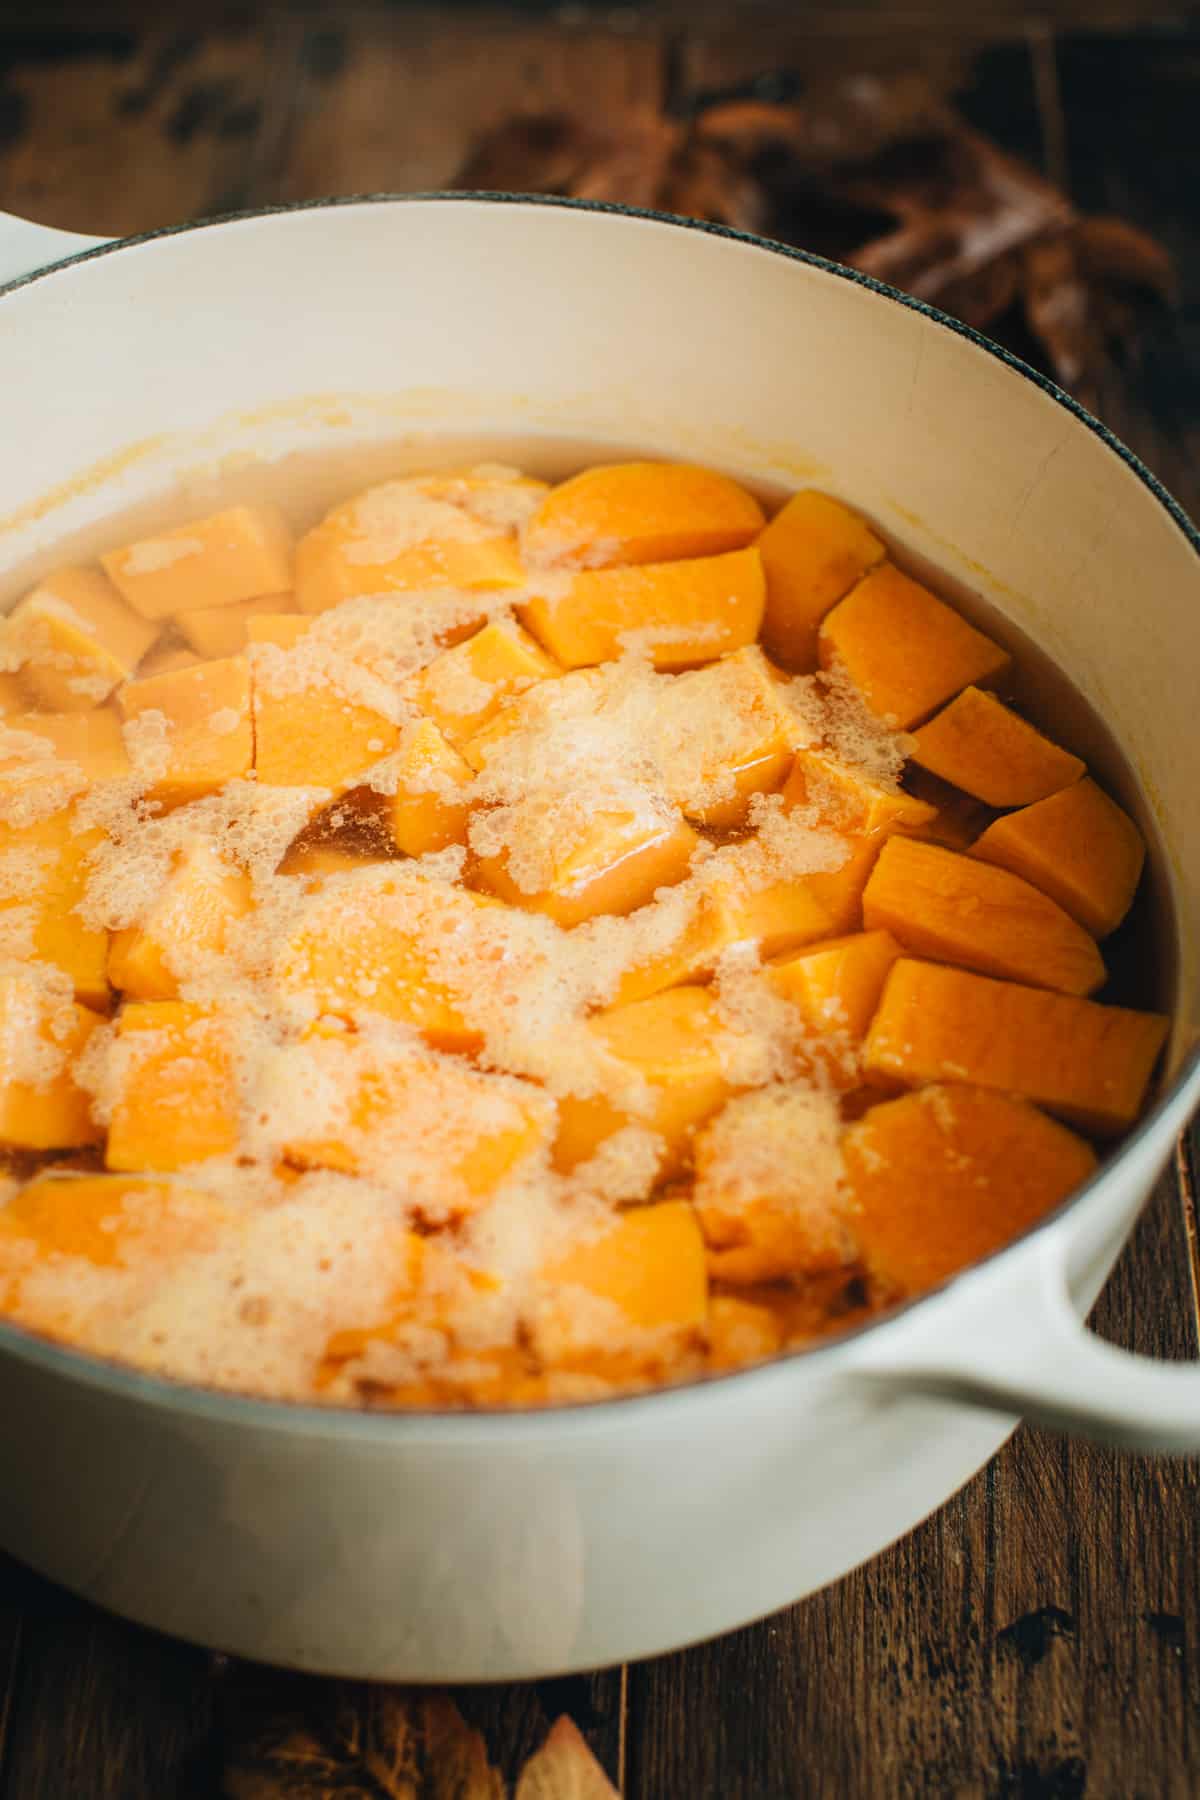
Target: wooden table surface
<point>1040,1635</point>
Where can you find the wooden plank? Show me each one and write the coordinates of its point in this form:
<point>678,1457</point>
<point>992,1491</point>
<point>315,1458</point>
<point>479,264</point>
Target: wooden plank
<point>1038,1635</point>
<point>112,133</point>
<point>394,102</point>
<point>101,1708</point>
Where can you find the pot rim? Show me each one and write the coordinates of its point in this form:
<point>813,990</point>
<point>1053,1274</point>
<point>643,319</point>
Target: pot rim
<point>225,1406</point>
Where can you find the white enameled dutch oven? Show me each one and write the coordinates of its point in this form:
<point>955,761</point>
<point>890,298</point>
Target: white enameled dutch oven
<point>444,1547</point>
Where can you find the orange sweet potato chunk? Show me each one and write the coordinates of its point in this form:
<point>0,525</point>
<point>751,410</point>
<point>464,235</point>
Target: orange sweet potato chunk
<point>1079,847</point>
<point>671,1042</point>
<point>214,631</point>
<point>769,1190</point>
<point>724,733</point>
<point>187,927</point>
<point>982,746</point>
<point>217,561</point>
<point>741,1331</point>
<point>403,536</point>
<point>814,551</point>
<point>48,867</point>
<point>955,909</point>
<point>945,1176</point>
<point>1090,1064</point>
<point>372,941</point>
<point>678,612</point>
<point>41,1106</point>
<point>849,800</point>
<point>310,733</point>
<point>110,1220</point>
<point>905,650</point>
<point>428,810</point>
<point>447,1133</point>
<point>647,1272</point>
<point>77,638</point>
<point>640,512</point>
<point>611,862</point>
<point>205,716</point>
<point>59,755</point>
<point>176,1098</point>
<point>836,984</point>
<point>464,688</point>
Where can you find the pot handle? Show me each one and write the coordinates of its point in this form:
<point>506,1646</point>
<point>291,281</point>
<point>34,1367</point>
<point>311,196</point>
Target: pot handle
<point>25,247</point>
<point>1034,1358</point>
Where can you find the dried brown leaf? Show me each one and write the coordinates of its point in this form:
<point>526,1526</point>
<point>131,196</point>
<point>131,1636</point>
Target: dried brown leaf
<point>880,173</point>
<point>456,1757</point>
<point>365,1743</point>
<point>1113,250</point>
<point>564,1769</point>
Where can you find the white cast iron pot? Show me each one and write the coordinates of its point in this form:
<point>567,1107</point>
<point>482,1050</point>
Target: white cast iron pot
<point>437,1547</point>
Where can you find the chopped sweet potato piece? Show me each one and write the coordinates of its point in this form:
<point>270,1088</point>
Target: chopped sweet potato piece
<point>945,1176</point>
<point>836,984</point>
<point>47,869</point>
<point>117,1223</point>
<point>230,556</point>
<point>671,1043</point>
<point>283,629</point>
<point>620,1299</point>
<point>723,733</point>
<point>111,1220</point>
<point>850,800</point>
<point>428,809</point>
<point>175,1096</point>
<point>678,612</point>
<point>640,512</point>
<point>464,688</point>
<point>225,630</point>
<point>606,862</point>
<point>769,1193</point>
<point>41,1107</point>
<point>905,650</point>
<point>741,1331</point>
<point>1090,1064</point>
<point>374,941</point>
<point>185,930</point>
<point>775,918</point>
<point>13,697</point>
<point>309,732</point>
<point>401,537</point>
<point>936,903</point>
<point>59,754</point>
<point>77,639</point>
<point>814,551</point>
<point>839,892</point>
<point>1079,847</point>
<point>208,738</point>
<point>982,746</point>
<point>444,1133</point>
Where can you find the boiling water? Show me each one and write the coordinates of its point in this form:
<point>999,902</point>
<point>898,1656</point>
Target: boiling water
<point>1141,956</point>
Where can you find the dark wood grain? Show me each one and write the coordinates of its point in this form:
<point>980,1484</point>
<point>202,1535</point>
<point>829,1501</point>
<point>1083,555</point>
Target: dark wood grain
<point>1040,1635</point>
<point>101,1710</point>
